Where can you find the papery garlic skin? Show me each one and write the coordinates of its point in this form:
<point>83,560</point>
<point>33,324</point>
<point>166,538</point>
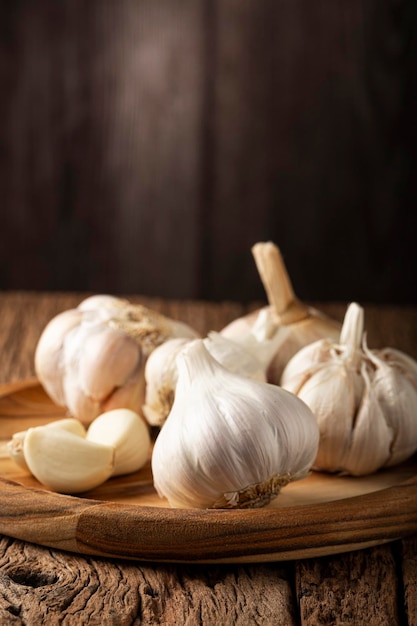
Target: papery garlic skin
<point>161,377</point>
<point>250,358</point>
<point>91,359</point>
<point>297,323</point>
<point>229,441</point>
<point>365,401</point>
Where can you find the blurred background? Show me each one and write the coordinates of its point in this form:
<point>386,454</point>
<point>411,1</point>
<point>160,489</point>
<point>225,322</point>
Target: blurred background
<point>146,145</point>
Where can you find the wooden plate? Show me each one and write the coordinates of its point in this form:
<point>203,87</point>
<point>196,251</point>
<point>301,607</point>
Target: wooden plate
<point>125,518</point>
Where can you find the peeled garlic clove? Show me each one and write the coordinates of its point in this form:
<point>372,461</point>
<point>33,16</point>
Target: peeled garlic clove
<point>15,449</point>
<point>304,324</point>
<point>229,441</point>
<point>365,401</point>
<point>127,433</point>
<point>65,462</point>
<point>91,359</point>
<point>15,445</point>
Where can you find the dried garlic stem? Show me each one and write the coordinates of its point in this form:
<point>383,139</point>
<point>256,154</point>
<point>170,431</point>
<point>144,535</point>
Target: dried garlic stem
<point>277,283</point>
<point>352,333</point>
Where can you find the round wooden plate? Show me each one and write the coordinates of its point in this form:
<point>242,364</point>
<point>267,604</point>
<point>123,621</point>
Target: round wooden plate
<point>125,518</point>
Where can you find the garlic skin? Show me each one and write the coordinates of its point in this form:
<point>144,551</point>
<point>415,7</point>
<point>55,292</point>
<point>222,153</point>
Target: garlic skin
<point>249,358</point>
<point>365,401</point>
<point>229,441</point>
<point>127,433</point>
<point>161,377</point>
<point>91,359</point>
<point>298,324</point>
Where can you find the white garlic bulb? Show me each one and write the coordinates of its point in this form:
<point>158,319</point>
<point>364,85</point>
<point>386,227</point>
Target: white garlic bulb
<point>250,358</point>
<point>229,441</point>
<point>91,359</point>
<point>365,401</point>
<point>299,324</point>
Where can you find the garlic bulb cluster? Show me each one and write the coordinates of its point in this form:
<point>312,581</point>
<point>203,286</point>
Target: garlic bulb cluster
<point>67,458</point>
<point>229,441</point>
<point>301,324</point>
<point>250,358</point>
<point>91,359</point>
<point>365,401</point>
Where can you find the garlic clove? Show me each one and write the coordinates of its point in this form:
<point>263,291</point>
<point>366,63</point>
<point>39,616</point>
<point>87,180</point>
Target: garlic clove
<point>98,302</point>
<point>65,462</point>
<point>127,433</point>
<point>15,449</point>
<point>362,456</point>
<point>334,411</point>
<point>304,324</point>
<point>15,445</point>
<point>118,358</point>
<point>161,379</point>
<point>48,354</point>
<point>395,392</point>
<point>229,441</point>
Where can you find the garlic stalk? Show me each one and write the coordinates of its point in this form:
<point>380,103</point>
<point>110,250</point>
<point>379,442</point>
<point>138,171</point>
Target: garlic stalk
<point>302,324</point>
<point>229,441</point>
<point>250,358</point>
<point>365,401</point>
<point>91,359</point>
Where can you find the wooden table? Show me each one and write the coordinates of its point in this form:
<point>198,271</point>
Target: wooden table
<point>47,586</point>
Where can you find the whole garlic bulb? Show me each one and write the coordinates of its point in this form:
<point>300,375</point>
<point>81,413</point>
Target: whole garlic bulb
<point>91,359</point>
<point>229,441</point>
<point>301,324</point>
<point>365,401</point>
<point>249,358</point>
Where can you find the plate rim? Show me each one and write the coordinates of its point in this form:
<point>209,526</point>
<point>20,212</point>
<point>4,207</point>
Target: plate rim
<point>92,527</point>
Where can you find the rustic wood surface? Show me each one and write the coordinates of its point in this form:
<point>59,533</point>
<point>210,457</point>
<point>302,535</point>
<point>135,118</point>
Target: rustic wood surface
<point>376,586</point>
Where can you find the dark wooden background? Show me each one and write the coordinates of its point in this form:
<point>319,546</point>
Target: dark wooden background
<point>147,144</point>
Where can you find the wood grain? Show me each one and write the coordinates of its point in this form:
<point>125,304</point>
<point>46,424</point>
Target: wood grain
<point>146,146</point>
<point>43,585</point>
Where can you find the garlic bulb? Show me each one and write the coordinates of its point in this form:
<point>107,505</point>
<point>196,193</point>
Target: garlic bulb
<point>365,401</point>
<point>249,358</point>
<point>91,359</point>
<point>302,324</point>
<point>229,441</point>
